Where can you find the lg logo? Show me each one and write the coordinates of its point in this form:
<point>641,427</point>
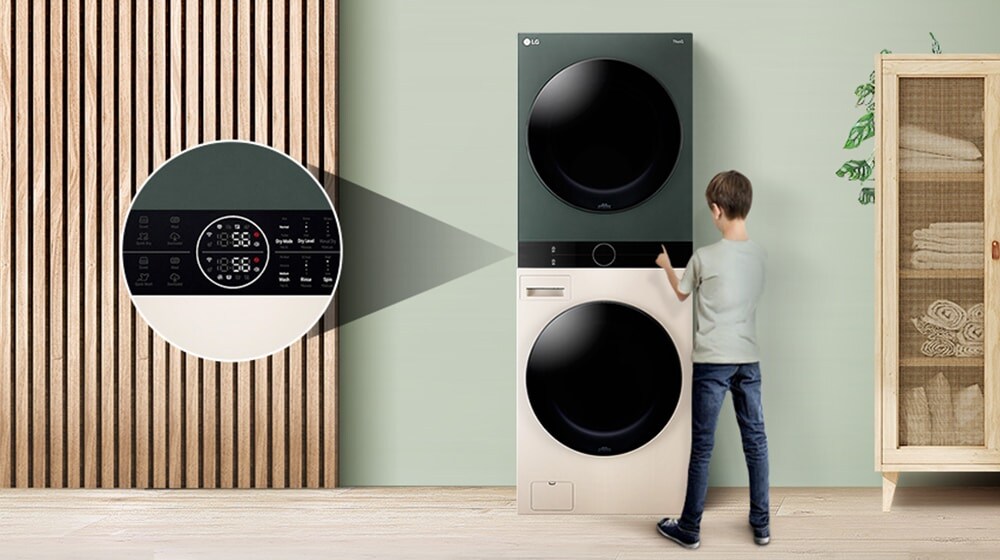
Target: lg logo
<point>528,42</point>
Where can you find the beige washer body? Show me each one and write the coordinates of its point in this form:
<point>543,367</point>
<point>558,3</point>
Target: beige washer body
<point>552,478</point>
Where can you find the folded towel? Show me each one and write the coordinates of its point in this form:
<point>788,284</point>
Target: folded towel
<point>915,428</point>
<point>935,259</point>
<point>978,226</point>
<point>914,137</point>
<point>938,392</point>
<point>969,426</point>
<point>920,164</point>
<point>948,246</point>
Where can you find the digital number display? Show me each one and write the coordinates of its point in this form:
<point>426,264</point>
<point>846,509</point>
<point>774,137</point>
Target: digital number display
<point>232,252</point>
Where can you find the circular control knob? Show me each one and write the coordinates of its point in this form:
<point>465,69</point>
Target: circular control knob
<point>604,254</point>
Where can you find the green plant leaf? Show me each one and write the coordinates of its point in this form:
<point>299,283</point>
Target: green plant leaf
<point>866,195</point>
<point>865,93</point>
<point>862,130</point>
<point>856,170</point>
<point>935,46</point>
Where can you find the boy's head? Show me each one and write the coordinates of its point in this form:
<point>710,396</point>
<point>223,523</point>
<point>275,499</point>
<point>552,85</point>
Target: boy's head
<point>729,195</point>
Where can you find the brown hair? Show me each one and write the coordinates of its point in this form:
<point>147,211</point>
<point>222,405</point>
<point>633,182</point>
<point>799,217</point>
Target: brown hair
<point>731,190</point>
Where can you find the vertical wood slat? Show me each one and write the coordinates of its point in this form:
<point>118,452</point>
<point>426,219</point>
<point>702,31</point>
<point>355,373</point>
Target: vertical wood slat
<point>6,204</point>
<point>175,135</point>
<point>330,341</point>
<point>38,246</point>
<point>158,379</point>
<point>108,185</point>
<point>192,114</point>
<point>314,145</point>
<point>57,253</point>
<point>91,317</point>
<point>21,306</point>
<point>125,312</point>
<point>209,376</point>
<point>94,95</point>
<point>296,429</point>
<point>141,400</point>
<point>74,255</point>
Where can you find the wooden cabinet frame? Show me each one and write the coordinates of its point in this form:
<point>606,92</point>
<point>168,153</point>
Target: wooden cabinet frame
<point>890,457</point>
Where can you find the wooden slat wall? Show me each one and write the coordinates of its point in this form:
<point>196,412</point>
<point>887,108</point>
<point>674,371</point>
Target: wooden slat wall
<point>94,95</point>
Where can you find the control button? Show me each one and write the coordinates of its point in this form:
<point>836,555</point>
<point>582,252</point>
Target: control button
<point>604,254</point>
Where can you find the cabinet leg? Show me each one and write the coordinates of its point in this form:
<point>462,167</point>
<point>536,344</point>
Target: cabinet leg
<point>889,480</point>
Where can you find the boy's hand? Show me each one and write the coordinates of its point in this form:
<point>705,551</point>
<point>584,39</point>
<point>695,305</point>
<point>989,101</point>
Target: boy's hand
<point>663,259</point>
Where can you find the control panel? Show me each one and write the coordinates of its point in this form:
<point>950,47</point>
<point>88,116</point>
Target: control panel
<point>218,252</point>
<point>600,254</point>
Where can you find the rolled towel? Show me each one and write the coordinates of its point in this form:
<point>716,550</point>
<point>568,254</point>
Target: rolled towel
<point>976,313</point>
<point>914,137</point>
<point>938,347</point>
<point>970,334</point>
<point>929,329</point>
<point>935,259</point>
<point>946,314</point>
<point>966,351</point>
<point>915,428</point>
<point>969,415</point>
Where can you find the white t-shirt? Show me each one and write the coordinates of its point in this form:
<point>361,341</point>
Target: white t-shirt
<point>727,279</point>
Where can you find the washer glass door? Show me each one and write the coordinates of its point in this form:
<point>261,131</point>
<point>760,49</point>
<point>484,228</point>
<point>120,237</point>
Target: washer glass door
<point>603,378</point>
<point>603,135</point>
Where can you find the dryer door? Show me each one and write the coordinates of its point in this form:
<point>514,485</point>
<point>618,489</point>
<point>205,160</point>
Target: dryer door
<point>603,135</point>
<point>603,378</point>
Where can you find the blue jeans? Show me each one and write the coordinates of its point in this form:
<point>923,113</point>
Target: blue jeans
<point>711,381</point>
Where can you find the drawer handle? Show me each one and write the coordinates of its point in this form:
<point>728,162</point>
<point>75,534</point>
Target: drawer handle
<point>996,250</point>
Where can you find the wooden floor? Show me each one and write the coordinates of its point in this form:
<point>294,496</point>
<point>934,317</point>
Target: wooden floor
<point>480,523</point>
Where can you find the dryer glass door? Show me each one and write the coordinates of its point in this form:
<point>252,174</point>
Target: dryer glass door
<point>603,378</point>
<point>603,135</point>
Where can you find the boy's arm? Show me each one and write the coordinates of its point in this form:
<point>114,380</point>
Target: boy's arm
<point>663,260</point>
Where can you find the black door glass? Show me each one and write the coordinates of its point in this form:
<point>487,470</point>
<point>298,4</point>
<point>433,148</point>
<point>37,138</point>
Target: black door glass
<point>603,378</point>
<point>603,135</point>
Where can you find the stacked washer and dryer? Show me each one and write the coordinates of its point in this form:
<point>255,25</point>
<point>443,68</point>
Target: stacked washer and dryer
<point>603,345</point>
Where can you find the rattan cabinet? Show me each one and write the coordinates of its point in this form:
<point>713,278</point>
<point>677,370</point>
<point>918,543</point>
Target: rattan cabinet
<point>937,392</point>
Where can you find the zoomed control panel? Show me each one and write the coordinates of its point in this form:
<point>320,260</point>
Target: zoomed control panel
<point>219,252</point>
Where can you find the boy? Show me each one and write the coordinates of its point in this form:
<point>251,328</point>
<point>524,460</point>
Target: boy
<point>727,279</point>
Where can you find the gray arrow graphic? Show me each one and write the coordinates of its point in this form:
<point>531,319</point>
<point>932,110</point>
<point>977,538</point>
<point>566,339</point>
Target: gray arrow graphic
<point>393,252</point>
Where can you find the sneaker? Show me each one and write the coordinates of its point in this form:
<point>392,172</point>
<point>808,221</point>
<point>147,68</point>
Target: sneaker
<point>669,529</point>
<point>761,535</point>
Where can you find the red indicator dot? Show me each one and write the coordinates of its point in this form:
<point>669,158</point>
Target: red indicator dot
<point>256,260</point>
<point>256,234</point>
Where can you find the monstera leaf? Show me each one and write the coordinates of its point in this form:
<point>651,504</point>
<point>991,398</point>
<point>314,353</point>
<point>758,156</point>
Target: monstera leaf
<point>861,131</point>
<point>856,170</point>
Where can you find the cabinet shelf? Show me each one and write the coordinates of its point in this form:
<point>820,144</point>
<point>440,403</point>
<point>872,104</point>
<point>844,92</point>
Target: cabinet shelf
<point>921,273</point>
<point>940,177</point>
<point>941,362</point>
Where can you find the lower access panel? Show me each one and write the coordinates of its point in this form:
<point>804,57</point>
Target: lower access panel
<point>552,496</point>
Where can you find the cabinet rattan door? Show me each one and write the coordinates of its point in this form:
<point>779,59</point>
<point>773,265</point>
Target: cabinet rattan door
<point>942,252</point>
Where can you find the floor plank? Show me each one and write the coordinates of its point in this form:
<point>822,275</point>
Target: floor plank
<point>460,522</point>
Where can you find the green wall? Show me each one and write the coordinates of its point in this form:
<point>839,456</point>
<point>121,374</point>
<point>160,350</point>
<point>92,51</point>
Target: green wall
<point>427,105</point>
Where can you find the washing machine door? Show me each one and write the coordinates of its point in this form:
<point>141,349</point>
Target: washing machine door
<point>603,378</point>
<point>603,135</point>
